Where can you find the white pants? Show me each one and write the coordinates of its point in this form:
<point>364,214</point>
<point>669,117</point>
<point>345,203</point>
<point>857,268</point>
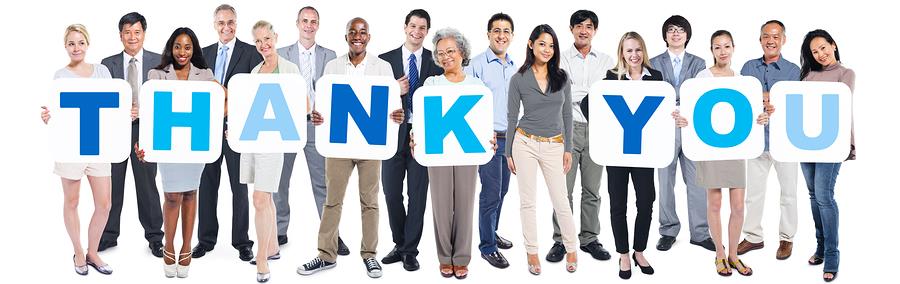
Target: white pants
<point>757,179</point>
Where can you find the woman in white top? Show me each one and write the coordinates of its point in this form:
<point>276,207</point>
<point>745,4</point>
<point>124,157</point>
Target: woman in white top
<point>77,41</point>
<point>730,174</point>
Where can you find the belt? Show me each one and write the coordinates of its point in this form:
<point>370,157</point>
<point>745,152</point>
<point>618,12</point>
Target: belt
<point>554,139</point>
<point>500,134</point>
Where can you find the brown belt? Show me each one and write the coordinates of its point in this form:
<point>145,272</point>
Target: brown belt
<point>554,139</point>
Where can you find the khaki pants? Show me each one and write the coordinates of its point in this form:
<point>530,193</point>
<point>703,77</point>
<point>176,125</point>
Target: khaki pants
<point>453,204</point>
<point>337,175</point>
<point>528,156</point>
<point>757,179</point>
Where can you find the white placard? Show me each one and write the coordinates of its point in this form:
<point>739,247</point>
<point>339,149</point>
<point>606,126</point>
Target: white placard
<point>90,120</point>
<point>267,113</point>
<point>721,114</point>
<point>811,122</point>
<point>448,117</point>
<point>167,108</point>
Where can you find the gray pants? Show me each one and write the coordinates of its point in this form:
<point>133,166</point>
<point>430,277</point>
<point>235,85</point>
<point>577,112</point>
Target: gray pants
<point>316,165</point>
<point>669,225</point>
<point>453,204</point>
<point>590,187</point>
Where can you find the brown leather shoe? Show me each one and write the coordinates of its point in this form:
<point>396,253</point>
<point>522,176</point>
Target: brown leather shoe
<point>744,246</point>
<point>784,250</point>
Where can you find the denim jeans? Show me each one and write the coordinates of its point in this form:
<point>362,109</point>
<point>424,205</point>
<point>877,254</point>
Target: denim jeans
<point>494,185</point>
<point>820,179</point>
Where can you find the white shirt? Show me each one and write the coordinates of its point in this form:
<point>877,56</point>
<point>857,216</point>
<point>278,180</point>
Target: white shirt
<point>644,72</point>
<point>370,66</point>
<point>672,57</point>
<point>230,45</point>
<point>418,54</point>
<point>583,72</point>
<point>139,57</point>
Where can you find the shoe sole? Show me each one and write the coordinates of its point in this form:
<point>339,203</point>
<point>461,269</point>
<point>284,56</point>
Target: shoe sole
<point>311,272</point>
<point>749,249</point>
<point>374,274</point>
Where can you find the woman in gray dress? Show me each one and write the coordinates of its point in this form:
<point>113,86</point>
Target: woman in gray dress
<point>181,60</point>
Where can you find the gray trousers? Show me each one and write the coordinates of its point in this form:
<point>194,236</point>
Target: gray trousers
<point>453,204</point>
<point>669,225</point>
<point>316,165</point>
<point>590,187</point>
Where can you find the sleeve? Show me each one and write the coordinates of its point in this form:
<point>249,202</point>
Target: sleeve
<point>512,115</point>
<point>567,117</point>
<point>699,65</point>
<point>104,72</point>
<point>154,74</point>
<point>745,70</point>
<point>849,78</point>
<point>795,73</point>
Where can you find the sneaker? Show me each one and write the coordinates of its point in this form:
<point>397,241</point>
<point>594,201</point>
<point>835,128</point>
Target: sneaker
<point>373,269</point>
<point>316,265</point>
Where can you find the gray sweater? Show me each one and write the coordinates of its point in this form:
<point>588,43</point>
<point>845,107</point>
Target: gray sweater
<point>544,114</point>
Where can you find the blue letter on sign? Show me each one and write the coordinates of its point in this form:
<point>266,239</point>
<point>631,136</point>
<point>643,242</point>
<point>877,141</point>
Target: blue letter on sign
<point>88,105</point>
<point>344,104</point>
<point>256,121</point>
<point>438,127</point>
<point>165,119</point>
<point>632,124</point>
<point>743,118</point>
<point>830,111</point>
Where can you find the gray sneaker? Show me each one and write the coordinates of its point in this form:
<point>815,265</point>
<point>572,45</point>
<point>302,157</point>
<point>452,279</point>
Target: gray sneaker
<point>316,265</point>
<point>373,269</point>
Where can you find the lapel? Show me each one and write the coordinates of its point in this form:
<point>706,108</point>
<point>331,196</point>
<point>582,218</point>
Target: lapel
<point>395,57</point>
<point>685,66</point>
<point>666,65</point>
<point>148,63</point>
<point>235,57</point>
<point>118,70</point>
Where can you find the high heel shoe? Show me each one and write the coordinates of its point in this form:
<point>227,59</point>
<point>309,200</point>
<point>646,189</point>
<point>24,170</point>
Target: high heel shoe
<point>170,269</point>
<point>104,269</point>
<point>263,277</point>
<point>573,265</point>
<point>624,274</point>
<point>182,270</point>
<point>80,269</point>
<point>534,269</point>
<point>746,271</point>
<point>725,270</point>
<point>815,260</point>
<point>644,269</point>
<point>833,276</point>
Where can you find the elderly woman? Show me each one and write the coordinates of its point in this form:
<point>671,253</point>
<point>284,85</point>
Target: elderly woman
<point>77,41</point>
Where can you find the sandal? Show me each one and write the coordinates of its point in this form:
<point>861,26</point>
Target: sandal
<point>722,267</point>
<point>446,270</point>
<point>815,260</point>
<point>460,272</point>
<point>833,276</point>
<point>170,269</point>
<point>183,269</point>
<point>534,268</point>
<point>743,269</point>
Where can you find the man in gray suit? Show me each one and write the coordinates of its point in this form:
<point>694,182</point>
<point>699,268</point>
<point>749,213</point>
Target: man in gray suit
<point>132,64</point>
<point>311,59</point>
<point>677,66</point>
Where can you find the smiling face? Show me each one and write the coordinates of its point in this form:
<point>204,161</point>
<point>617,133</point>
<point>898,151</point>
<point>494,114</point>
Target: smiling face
<point>225,23</point>
<point>542,47</point>
<point>448,54</point>
<point>823,51</point>
<point>676,37</point>
<point>358,36</point>
<point>132,36</point>
<point>771,39</point>
<point>416,30</point>
<point>633,53</point>
<point>183,50</point>
<point>265,41</point>
<point>722,49</point>
<point>583,33</point>
<point>308,24</point>
<point>500,35</point>
<point>76,46</point>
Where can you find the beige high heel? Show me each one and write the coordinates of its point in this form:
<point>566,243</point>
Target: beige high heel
<point>183,269</point>
<point>571,266</point>
<point>170,269</point>
<point>534,268</point>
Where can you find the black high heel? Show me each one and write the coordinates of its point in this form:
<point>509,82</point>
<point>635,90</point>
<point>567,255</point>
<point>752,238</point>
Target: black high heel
<point>815,260</point>
<point>833,276</point>
<point>624,274</point>
<point>644,269</point>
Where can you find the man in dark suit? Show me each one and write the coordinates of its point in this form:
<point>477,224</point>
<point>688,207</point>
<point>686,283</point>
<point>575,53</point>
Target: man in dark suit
<point>227,57</point>
<point>411,64</point>
<point>132,64</point>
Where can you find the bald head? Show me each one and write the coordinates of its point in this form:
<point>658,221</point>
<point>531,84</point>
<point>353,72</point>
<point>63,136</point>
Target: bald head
<point>356,20</point>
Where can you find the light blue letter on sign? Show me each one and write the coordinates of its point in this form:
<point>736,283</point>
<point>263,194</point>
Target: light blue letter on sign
<point>795,133</point>
<point>165,119</point>
<point>743,118</point>
<point>438,127</point>
<point>256,121</point>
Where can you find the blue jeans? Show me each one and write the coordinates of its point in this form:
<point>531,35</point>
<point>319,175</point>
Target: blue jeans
<point>494,185</point>
<point>820,179</point>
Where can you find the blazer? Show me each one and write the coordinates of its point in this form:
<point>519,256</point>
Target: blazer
<point>690,66</point>
<point>611,75</point>
<point>323,56</point>
<point>243,58</point>
<point>429,68</point>
<point>114,63</point>
<point>168,73</point>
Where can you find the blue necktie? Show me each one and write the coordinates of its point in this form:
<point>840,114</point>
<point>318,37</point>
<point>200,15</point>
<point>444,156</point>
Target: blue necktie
<point>413,77</point>
<point>677,70</point>
<point>221,60</point>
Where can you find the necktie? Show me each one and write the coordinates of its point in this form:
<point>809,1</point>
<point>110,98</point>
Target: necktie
<point>133,80</point>
<point>307,72</point>
<point>413,77</point>
<point>677,67</point>
<point>221,62</point>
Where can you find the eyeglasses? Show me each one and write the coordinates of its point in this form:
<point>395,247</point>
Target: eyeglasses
<point>675,30</point>
<point>446,53</point>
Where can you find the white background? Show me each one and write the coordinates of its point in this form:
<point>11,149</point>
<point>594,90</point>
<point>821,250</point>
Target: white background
<point>36,247</point>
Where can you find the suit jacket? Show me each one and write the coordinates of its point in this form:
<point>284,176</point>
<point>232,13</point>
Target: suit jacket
<point>395,58</point>
<point>323,56</point>
<point>690,66</point>
<point>168,73</point>
<point>116,68</point>
<point>243,58</point>
<point>611,75</point>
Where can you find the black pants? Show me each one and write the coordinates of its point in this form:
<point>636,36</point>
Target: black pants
<point>208,227</point>
<point>149,212</point>
<point>406,222</point>
<point>645,191</point>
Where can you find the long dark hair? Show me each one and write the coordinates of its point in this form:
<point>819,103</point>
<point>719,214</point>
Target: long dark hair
<point>556,77</point>
<point>169,58</point>
<point>807,61</point>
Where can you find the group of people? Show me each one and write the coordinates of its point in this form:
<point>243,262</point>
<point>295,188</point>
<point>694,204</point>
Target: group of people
<point>540,122</point>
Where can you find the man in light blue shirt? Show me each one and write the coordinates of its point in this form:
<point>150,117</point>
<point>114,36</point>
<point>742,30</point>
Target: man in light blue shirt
<point>494,67</point>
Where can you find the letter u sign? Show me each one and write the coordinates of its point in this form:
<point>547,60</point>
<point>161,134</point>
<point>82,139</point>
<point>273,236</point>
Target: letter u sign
<point>814,125</point>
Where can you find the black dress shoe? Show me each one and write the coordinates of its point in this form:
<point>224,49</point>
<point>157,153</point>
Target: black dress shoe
<point>105,245</point>
<point>557,252</point>
<point>410,263</point>
<point>665,243</point>
<point>282,240</point>
<point>245,253</point>
<point>156,249</point>
<point>200,250</point>
<point>644,269</point>
<point>596,250</point>
<point>707,244</point>
<point>391,257</point>
<point>342,248</point>
<point>496,259</point>
<point>624,274</point>
<point>503,243</point>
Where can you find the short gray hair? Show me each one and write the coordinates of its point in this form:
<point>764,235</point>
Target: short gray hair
<point>461,43</point>
<point>224,7</point>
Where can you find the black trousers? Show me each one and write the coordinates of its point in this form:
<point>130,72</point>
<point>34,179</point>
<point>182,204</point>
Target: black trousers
<point>406,222</point>
<point>208,226</point>
<point>149,212</point>
<point>645,192</point>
